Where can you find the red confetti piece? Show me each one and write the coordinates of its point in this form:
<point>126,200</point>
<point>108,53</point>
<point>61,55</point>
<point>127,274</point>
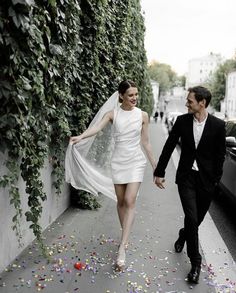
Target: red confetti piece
<point>79,266</point>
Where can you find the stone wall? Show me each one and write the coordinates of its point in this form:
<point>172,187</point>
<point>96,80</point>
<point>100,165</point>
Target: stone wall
<point>53,207</point>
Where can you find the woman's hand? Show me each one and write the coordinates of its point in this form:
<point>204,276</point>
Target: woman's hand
<point>75,139</point>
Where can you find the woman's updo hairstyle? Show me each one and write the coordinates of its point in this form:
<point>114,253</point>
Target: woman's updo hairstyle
<point>124,85</point>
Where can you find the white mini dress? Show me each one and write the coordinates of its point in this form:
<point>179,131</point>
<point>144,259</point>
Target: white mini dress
<point>128,161</point>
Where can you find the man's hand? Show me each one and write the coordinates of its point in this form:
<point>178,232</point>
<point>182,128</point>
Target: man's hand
<point>159,182</point>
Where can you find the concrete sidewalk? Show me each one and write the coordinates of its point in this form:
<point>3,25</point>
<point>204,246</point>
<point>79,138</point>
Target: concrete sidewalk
<point>92,238</point>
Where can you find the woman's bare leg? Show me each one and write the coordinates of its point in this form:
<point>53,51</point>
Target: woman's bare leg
<point>129,210</point>
<point>126,198</point>
<point>120,193</point>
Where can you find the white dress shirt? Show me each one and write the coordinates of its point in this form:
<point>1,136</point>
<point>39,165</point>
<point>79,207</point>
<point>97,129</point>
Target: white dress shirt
<point>198,128</point>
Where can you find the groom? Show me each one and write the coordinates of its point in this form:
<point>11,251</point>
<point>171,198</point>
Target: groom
<point>202,138</point>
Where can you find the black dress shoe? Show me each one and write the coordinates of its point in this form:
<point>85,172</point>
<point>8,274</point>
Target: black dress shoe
<point>193,275</point>
<point>179,244</point>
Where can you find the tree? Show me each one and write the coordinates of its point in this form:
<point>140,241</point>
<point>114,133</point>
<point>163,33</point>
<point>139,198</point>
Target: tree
<point>181,80</point>
<point>217,84</point>
<point>164,75</point>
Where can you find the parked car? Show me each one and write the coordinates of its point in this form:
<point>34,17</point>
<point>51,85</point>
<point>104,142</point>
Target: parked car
<point>220,115</point>
<point>228,180</point>
<point>170,119</point>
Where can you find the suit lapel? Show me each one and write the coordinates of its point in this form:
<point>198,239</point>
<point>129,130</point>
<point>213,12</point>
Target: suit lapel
<point>190,131</point>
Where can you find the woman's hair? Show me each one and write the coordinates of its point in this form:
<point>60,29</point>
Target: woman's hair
<point>201,93</point>
<point>124,85</point>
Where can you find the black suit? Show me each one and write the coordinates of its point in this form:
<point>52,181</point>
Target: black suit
<point>196,188</point>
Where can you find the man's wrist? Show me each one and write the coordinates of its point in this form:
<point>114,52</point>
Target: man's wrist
<point>158,174</point>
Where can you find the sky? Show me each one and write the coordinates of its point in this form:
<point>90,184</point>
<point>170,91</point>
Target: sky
<point>180,30</point>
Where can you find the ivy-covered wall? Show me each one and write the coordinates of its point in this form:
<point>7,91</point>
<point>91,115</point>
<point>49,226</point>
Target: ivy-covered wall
<point>60,60</point>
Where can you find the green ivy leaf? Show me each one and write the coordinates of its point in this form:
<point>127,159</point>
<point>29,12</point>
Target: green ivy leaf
<point>61,61</point>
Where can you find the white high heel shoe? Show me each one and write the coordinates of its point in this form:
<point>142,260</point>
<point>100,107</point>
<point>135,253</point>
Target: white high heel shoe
<point>120,261</point>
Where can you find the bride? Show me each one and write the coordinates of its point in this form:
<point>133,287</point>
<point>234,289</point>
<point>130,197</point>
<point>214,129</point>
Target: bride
<point>119,129</point>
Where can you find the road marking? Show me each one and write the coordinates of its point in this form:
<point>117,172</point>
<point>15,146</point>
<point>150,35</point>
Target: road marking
<point>219,261</point>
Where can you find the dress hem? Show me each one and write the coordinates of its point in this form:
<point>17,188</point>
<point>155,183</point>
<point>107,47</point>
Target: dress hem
<point>130,181</point>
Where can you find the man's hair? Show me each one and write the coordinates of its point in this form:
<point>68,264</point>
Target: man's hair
<point>201,93</point>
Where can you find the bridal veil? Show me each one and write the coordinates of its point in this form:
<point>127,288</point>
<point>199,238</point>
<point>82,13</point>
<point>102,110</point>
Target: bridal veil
<point>87,163</point>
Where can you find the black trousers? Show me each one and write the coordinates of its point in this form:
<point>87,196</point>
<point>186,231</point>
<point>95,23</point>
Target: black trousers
<point>196,200</point>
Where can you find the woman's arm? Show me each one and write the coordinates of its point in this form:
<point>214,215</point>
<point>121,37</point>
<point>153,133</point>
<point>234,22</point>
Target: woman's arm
<point>108,117</point>
<point>145,140</point>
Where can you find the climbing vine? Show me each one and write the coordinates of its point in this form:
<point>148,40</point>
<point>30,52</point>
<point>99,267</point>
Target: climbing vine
<point>60,60</point>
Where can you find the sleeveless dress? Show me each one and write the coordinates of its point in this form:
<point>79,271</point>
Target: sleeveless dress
<point>96,170</point>
<point>128,161</point>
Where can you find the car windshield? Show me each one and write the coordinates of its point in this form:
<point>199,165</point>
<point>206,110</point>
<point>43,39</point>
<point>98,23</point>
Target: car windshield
<point>231,129</point>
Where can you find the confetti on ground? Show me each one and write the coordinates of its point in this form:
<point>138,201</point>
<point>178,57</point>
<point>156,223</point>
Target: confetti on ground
<point>147,271</point>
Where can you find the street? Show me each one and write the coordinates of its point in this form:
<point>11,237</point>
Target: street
<point>91,239</point>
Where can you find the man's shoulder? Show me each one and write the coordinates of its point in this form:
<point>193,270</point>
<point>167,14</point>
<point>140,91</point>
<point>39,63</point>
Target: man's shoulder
<point>216,120</point>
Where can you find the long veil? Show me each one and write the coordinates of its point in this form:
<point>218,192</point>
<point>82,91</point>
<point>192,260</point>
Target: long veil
<point>87,163</point>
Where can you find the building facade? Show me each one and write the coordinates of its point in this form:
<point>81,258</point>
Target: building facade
<point>178,92</point>
<point>228,106</point>
<point>201,69</point>
<point>155,92</point>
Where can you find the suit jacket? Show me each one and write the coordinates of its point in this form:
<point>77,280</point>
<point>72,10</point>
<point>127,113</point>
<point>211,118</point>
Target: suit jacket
<point>209,154</point>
